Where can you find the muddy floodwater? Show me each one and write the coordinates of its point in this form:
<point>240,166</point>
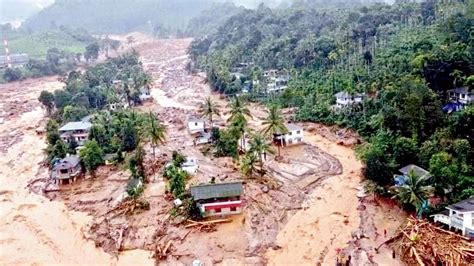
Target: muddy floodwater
<point>314,208</point>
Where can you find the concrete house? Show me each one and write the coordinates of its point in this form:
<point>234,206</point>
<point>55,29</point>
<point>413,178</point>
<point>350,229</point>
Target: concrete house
<point>196,125</point>
<point>277,85</point>
<point>462,95</point>
<point>67,169</point>
<point>400,179</point>
<point>295,135</point>
<point>75,131</point>
<point>218,199</point>
<point>344,99</point>
<point>459,216</point>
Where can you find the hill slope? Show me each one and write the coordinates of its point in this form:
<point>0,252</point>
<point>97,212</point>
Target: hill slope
<point>111,16</point>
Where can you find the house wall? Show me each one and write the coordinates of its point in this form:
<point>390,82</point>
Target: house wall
<point>196,126</point>
<point>294,137</point>
<point>221,208</point>
<point>461,220</point>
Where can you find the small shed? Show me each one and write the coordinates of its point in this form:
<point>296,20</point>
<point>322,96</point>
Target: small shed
<point>218,199</point>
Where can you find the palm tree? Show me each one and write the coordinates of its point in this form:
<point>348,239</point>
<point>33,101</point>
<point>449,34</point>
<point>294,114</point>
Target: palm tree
<point>415,191</point>
<point>274,124</point>
<point>156,131</point>
<point>238,108</point>
<point>249,163</point>
<point>209,108</point>
<point>259,146</point>
<point>239,125</point>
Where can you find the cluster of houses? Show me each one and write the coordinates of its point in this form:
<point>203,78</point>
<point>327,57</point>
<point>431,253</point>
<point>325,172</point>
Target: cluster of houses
<point>273,81</point>
<point>458,216</point>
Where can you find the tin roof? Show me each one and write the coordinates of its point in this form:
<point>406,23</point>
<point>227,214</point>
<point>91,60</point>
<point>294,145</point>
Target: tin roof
<point>81,125</point>
<point>418,170</point>
<point>221,190</point>
<point>466,205</point>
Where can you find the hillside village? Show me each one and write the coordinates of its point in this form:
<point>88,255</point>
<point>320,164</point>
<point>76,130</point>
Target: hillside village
<point>208,151</point>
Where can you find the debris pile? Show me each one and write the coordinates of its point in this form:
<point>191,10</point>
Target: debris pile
<point>422,243</point>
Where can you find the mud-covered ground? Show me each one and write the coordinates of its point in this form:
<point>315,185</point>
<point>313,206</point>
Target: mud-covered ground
<point>310,211</point>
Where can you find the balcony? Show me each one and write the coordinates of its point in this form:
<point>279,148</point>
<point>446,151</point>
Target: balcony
<point>456,221</point>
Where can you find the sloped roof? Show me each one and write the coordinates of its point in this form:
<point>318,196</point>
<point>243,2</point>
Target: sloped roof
<point>81,125</point>
<point>418,170</point>
<point>293,127</point>
<point>466,205</point>
<point>462,90</point>
<point>221,190</point>
<point>68,162</point>
<point>195,119</point>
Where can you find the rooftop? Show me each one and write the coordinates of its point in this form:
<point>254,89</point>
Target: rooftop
<point>293,127</point>
<point>68,162</point>
<point>345,94</point>
<point>418,170</point>
<point>195,119</point>
<point>466,205</point>
<point>462,90</point>
<point>81,125</point>
<point>221,190</point>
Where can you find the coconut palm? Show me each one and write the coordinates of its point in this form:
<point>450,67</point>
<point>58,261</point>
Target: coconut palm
<point>415,191</point>
<point>249,163</point>
<point>260,146</point>
<point>238,108</point>
<point>209,108</point>
<point>156,131</point>
<point>274,124</point>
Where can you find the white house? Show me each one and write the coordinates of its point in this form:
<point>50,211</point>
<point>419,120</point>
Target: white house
<point>344,99</point>
<point>459,216</point>
<point>75,131</point>
<point>293,136</point>
<point>190,165</point>
<point>462,95</point>
<point>196,125</point>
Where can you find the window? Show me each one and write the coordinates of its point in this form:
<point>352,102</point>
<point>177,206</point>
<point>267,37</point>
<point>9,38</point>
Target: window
<point>234,209</point>
<point>463,96</point>
<point>298,132</point>
<point>195,123</point>
<point>291,133</point>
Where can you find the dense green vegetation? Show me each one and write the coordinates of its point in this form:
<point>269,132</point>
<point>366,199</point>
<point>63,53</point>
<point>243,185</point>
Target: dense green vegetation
<point>91,93</point>
<point>403,58</point>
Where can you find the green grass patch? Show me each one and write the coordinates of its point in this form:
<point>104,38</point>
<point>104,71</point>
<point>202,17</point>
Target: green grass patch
<point>37,44</point>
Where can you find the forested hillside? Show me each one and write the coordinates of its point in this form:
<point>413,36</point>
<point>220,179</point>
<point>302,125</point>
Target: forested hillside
<point>402,58</point>
<point>110,16</point>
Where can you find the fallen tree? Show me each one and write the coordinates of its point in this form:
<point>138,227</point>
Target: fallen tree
<point>422,243</point>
